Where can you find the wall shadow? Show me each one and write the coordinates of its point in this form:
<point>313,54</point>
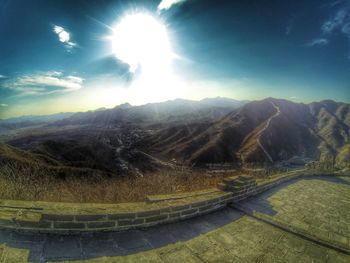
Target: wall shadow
<point>49,247</point>
<point>261,204</point>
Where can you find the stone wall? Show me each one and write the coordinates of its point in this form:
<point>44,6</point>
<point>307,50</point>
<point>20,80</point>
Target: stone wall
<point>67,223</point>
<point>122,221</point>
<point>234,189</point>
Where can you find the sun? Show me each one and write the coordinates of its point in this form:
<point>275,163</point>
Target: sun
<point>140,40</point>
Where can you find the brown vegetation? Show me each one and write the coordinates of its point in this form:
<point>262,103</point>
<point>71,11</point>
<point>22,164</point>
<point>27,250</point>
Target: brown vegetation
<point>35,184</point>
<point>28,176</point>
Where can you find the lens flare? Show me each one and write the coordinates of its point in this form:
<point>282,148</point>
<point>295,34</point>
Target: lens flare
<point>140,40</point>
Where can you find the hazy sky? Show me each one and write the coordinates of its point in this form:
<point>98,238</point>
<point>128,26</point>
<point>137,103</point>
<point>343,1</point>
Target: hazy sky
<point>74,55</point>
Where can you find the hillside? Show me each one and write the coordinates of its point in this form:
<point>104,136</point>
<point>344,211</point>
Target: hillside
<point>264,131</point>
<point>136,139</point>
<point>7,125</point>
<point>26,166</point>
<point>179,110</point>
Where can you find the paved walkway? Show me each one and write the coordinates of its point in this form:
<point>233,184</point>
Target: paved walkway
<point>318,208</point>
<point>224,236</point>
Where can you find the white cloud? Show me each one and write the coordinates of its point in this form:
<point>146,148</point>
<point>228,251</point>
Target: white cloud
<point>2,77</point>
<point>318,42</point>
<point>3,105</point>
<point>336,22</point>
<point>45,83</point>
<point>290,24</point>
<point>167,4</point>
<point>64,37</point>
<point>339,22</point>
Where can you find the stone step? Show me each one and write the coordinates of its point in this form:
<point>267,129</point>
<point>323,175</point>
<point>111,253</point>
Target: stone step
<point>223,187</point>
<point>246,177</point>
<point>241,184</point>
<point>235,188</point>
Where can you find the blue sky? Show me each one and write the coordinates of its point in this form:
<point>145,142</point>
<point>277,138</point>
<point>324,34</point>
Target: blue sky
<point>58,55</point>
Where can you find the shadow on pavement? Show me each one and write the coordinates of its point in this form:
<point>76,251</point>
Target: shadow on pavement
<point>48,247</point>
<point>261,204</point>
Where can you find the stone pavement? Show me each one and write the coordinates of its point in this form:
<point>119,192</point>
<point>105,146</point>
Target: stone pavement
<point>245,240</point>
<point>45,247</point>
<point>316,207</point>
<point>317,204</point>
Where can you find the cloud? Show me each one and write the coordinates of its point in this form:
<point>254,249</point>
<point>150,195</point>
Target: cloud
<point>318,42</point>
<point>3,105</point>
<point>2,77</point>
<point>289,28</point>
<point>290,24</point>
<point>167,4</point>
<point>346,29</point>
<point>64,37</point>
<point>337,2</point>
<point>336,22</point>
<point>45,83</point>
<point>109,66</point>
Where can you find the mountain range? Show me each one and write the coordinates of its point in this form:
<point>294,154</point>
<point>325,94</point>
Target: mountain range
<point>218,131</point>
<point>264,131</point>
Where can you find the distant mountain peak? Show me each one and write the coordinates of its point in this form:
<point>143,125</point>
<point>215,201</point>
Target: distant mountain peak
<point>124,105</point>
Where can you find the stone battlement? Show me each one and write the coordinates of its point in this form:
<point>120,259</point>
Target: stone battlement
<point>81,217</point>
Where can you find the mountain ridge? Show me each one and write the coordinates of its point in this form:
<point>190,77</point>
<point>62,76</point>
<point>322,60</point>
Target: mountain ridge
<point>297,123</point>
<point>140,138</point>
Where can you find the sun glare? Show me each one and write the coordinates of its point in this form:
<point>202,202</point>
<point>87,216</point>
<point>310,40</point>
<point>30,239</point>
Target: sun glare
<point>140,40</point>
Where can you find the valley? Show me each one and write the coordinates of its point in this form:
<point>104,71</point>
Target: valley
<point>135,140</point>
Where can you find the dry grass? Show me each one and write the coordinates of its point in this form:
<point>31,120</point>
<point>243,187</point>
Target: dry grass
<point>33,183</point>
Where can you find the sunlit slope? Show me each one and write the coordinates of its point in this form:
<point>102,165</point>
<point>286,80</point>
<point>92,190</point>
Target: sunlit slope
<point>262,131</point>
<point>129,139</point>
<point>218,141</point>
<point>343,157</point>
